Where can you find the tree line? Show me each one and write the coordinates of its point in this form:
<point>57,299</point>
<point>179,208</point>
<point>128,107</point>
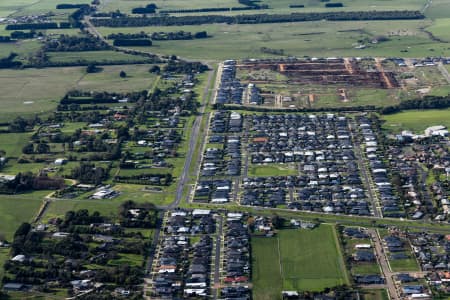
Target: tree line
<point>70,6</point>
<point>258,18</point>
<point>428,102</point>
<point>66,43</point>
<point>32,26</point>
<point>132,42</point>
<point>159,36</point>
<point>148,9</point>
<point>209,9</point>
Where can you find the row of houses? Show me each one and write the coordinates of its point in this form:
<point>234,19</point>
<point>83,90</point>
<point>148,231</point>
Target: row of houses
<point>224,161</point>
<point>321,146</point>
<point>236,258</point>
<point>230,90</point>
<point>433,254</point>
<point>378,169</point>
<point>182,268</point>
<point>216,191</point>
<point>225,121</point>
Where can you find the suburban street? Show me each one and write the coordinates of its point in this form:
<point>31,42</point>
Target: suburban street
<point>384,264</point>
<point>365,173</point>
<point>217,258</point>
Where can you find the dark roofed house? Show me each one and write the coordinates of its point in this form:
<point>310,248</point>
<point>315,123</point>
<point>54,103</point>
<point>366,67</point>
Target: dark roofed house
<point>12,286</point>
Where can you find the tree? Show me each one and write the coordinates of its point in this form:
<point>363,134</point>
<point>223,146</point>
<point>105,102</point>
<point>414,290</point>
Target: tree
<point>91,68</point>
<point>18,125</point>
<point>201,35</point>
<point>122,74</point>
<point>155,69</point>
<point>42,148</point>
<point>28,149</point>
<point>23,229</point>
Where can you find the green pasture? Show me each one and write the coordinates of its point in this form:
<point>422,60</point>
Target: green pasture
<point>315,39</point>
<point>34,91</point>
<point>416,120</point>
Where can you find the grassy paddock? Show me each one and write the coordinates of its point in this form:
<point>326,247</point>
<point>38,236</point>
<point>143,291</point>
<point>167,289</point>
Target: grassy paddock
<point>93,56</point>
<point>276,6</point>
<point>33,91</point>
<point>416,120</point>
<point>272,170</point>
<point>17,209</point>
<point>318,39</point>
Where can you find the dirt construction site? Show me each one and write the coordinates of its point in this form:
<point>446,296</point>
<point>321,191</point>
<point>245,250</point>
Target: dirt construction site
<point>303,83</point>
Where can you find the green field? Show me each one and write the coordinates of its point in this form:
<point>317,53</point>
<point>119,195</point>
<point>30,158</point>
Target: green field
<point>27,7</point>
<point>440,29</point>
<point>17,209</point>
<point>374,295</point>
<point>272,170</point>
<point>416,120</point>
<point>14,210</point>
<point>438,9</point>
<point>33,91</point>
<point>306,260</point>
<point>93,56</point>
<point>404,265</point>
<point>316,39</point>
<point>276,6</point>
<point>12,143</point>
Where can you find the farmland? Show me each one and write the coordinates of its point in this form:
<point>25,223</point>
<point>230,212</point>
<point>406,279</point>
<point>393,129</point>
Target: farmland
<point>39,90</point>
<point>275,6</point>
<point>307,260</point>
<point>216,139</point>
<point>318,39</point>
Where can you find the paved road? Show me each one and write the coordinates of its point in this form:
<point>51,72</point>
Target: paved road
<point>192,144</point>
<point>217,257</point>
<point>426,6</point>
<point>365,172</point>
<point>384,264</point>
<point>151,255</point>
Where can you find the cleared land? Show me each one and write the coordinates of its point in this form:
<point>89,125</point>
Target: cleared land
<point>272,170</point>
<point>307,260</point>
<point>416,120</point>
<point>375,295</point>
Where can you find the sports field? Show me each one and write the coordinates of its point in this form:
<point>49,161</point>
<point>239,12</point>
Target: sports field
<point>303,260</point>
